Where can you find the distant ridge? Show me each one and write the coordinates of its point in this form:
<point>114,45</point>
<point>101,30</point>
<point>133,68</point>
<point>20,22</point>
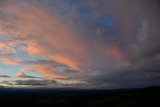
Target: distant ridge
<point>138,97</point>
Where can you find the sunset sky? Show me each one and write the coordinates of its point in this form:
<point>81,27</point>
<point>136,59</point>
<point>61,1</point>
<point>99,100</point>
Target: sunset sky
<point>79,43</point>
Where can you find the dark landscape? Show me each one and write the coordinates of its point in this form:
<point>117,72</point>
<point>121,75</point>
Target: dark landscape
<point>144,97</point>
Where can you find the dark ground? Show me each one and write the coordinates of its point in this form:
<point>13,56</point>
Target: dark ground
<point>146,97</point>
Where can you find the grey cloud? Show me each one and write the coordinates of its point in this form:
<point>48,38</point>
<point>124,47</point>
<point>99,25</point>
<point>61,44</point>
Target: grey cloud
<point>43,62</point>
<point>32,82</point>
<point>29,82</point>
<point>4,76</point>
<point>125,79</point>
<point>8,83</point>
<point>27,76</point>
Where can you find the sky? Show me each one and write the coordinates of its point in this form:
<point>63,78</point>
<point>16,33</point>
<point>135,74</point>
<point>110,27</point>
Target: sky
<point>101,44</point>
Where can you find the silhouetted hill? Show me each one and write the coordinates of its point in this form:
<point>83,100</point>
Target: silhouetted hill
<point>146,97</point>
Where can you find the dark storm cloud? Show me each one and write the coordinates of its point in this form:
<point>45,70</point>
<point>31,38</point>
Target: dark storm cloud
<point>140,45</point>
<point>144,49</point>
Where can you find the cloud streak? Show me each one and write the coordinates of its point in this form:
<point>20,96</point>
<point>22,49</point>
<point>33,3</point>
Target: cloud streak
<point>32,82</point>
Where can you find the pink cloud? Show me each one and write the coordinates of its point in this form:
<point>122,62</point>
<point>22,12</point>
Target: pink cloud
<point>45,35</point>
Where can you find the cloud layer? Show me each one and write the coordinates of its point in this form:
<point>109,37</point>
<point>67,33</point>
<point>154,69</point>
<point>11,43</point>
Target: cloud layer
<point>85,41</point>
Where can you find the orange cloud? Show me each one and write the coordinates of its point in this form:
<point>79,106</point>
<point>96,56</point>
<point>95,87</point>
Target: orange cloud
<point>8,53</point>
<point>33,49</point>
<point>21,72</point>
<point>48,72</point>
<point>55,40</point>
<point>11,61</point>
<point>116,53</point>
<point>64,60</point>
<point>1,44</point>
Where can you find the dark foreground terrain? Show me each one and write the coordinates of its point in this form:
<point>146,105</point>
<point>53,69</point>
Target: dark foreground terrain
<point>147,97</point>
